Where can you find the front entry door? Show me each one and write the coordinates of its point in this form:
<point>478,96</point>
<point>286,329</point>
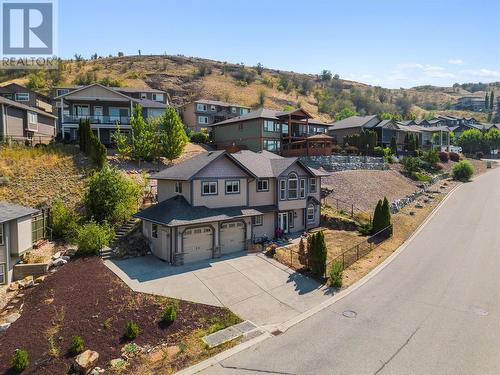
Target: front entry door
<point>283,221</point>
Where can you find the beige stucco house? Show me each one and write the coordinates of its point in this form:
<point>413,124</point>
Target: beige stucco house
<point>220,203</point>
<point>16,236</point>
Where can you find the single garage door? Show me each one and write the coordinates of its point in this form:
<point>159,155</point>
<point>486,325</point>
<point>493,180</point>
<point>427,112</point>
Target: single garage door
<point>232,237</point>
<point>197,244</point>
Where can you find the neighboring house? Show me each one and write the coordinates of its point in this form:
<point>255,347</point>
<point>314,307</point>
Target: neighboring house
<point>16,236</point>
<point>452,121</point>
<point>288,133</point>
<point>219,203</point>
<point>26,96</point>
<point>203,113</point>
<point>351,126</point>
<point>105,107</point>
<point>471,103</point>
<point>22,123</point>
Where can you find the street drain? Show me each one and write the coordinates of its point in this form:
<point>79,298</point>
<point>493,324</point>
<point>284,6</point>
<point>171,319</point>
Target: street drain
<point>350,314</point>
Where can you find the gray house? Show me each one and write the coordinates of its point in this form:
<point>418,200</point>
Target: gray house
<point>16,236</point>
<point>220,203</point>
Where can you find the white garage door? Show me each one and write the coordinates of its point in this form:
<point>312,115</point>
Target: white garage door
<point>197,244</point>
<point>232,237</point>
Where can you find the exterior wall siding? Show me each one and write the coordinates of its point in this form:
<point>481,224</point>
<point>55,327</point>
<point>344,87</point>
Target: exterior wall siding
<point>267,228</point>
<point>221,199</point>
<point>261,198</point>
<point>166,190</point>
<point>248,136</point>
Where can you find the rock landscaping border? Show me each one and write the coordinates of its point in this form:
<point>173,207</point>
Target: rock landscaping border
<point>336,163</point>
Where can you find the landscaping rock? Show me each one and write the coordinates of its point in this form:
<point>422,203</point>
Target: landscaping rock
<point>418,205</point>
<point>85,362</point>
<point>59,262</point>
<point>27,282</point>
<point>13,286</point>
<point>172,351</point>
<point>40,279</point>
<point>4,327</point>
<point>65,257</point>
<point>412,213</point>
<point>157,355</point>
<point>12,318</point>
<point>97,371</point>
<point>56,255</point>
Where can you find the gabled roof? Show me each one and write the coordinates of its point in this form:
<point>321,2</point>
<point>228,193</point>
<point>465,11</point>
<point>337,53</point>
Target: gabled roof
<point>293,112</point>
<point>177,211</point>
<point>110,89</point>
<point>258,113</point>
<point>13,103</point>
<point>352,122</point>
<point>217,102</point>
<point>10,211</point>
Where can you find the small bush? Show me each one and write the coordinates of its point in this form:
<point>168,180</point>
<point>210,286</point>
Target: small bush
<point>63,221</point>
<point>77,345</point>
<point>198,137</point>
<point>378,151</point>
<point>438,167</point>
<point>463,170</point>
<point>352,150</point>
<point>169,314</point>
<point>217,326</point>
<point>92,237</point>
<point>443,156</point>
<point>430,157</point>
<point>131,331</point>
<point>336,149</point>
<point>365,228</point>
<point>336,275</point>
<point>420,176</point>
<point>411,164</point>
<point>454,156</point>
<point>479,155</point>
<point>20,360</point>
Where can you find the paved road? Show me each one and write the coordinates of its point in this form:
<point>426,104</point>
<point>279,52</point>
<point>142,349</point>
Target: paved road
<point>434,310</point>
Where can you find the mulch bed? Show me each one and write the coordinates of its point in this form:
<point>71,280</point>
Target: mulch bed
<point>78,300</point>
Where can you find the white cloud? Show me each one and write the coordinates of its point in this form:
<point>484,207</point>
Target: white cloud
<point>482,73</point>
<point>455,62</point>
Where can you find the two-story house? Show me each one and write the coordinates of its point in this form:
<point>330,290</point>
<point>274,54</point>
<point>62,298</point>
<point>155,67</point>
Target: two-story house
<point>219,203</point>
<point>202,113</point>
<point>288,133</point>
<point>28,97</point>
<point>105,107</point>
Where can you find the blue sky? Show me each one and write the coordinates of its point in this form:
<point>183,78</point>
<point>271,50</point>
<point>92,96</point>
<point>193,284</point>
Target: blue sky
<point>391,43</point>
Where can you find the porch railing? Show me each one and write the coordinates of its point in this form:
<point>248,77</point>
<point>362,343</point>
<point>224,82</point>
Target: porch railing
<point>106,120</point>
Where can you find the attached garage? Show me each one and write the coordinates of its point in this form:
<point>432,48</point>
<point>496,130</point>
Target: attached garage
<point>197,244</point>
<point>232,237</point>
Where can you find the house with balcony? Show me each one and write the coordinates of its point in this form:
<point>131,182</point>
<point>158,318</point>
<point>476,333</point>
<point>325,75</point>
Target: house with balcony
<point>28,97</point>
<point>471,103</point>
<point>105,107</point>
<point>220,203</point>
<point>203,113</point>
<point>287,133</point>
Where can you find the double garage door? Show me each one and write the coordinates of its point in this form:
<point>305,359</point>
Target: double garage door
<point>198,242</point>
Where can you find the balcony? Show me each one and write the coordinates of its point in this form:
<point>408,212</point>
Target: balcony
<point>104,120</point>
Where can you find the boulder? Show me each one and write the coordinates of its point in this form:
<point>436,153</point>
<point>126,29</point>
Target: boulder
<point>56,255</point>
<point>59,262</point>
<point>13,286</point>
<point>85,362</point>
<point>12,318</point>
<point>65,257</point>
<point>40,279</point>
<point>173,351</point>
<point>26,282</point>
<point>4,327</point>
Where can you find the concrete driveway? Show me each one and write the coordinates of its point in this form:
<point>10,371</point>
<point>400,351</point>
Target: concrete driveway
<point>254,287</point>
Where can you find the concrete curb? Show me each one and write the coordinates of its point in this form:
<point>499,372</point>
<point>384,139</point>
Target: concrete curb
<point>307,314</point>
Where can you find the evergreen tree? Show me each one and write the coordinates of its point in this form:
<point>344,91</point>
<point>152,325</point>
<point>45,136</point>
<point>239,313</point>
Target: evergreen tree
<point>302,253</point>
<point>377,218</point>
<point>492,101</point>
<point>486,101</point>
<point>173,138</point>
<point>394,146</point>
<point>386,215</point>
<point>144,134</point>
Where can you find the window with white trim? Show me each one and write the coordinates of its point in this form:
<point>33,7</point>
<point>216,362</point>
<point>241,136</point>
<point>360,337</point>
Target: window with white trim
<point>233,109</point>
<point>292,186</point>
<point>312,185</point>
<point>32,117</point>
<point>202,119</point>
<point>157,97</point>
<point>271,126</point>
<point>244,111</point>
<point>201,107</point>
<point>272,145</point>
<point>154,230</point>
<point>2,274</point>
<point>263,185</point>
<point>302,188</point>
<point>213,108</point>
<point>144,95</point>
<point>257,220</point>
<point>209,188</point>
<point>1,234</point>
<point>233,187</point>
<point>282,190</point>
<point>310,213</point>
<point>61,92</point>
<point>22,97</point>
<point>178,187</point>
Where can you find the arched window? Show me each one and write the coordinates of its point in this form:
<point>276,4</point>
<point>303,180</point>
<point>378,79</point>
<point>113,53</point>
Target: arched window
<point>292,185</point>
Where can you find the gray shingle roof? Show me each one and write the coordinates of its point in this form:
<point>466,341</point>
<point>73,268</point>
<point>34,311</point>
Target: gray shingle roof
<point>177,211</point>
<point>258,113</point>
<point>10,211</point>
<point>13,103</point>
<point>187,169</point>
<point>352,122</point>
<point>219,103</point>
<point>146,103</point>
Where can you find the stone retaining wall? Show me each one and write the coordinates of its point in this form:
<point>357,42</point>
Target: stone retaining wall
<point>35,270</point>
<point>335,163</point>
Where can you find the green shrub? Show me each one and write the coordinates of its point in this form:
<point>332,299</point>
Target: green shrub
<point>317,254</point>
<point>169,314</point>
<point>63,221</point>
<point>388,153</point>
<point>463,170</point>
<point>365,228</point>
<point>431,157</point>
<point>217,326</point>
<point>411,164</point>
<point>381,216</point>
<point>20,360</point>
<point>92,237</point>
<point>336,275</point>
<point>131,331</point>
<point>420,176</point>
<point>77,345</point>
<point>198,137</point>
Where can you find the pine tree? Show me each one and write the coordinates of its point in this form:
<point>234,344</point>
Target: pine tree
<point>386,215</point>
<point>302,253</point>
<point>486,101</point>
<point>377,218</point>
<point>321,254</point>
<point>173,138</point>
<point>394,146</point>
<point>492,101</point>
<point>143,139</point>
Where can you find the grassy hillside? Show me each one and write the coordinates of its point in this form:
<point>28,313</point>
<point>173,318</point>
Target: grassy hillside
<point>188,78</point>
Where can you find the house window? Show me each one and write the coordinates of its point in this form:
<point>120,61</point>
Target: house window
<point>154,230</point>
<point>209,188</point>
<point>202,119</point>
<point>213,108</point>
<point>61,92</point>
<point>243,111</point>
<point>284,128</point>
<point>271,126</point>
<point>263,185</point>
<point>1,234</point>
<point>312,185</point>
<point>158,97</point>
<point>310,213</point>
<point>201,107</point>
<point>282,190</point>
<point>232,187</point>
<point>32,117</point>
<point>22,97</point>
<point>302,188</point>
<point>144,95</point>
<point>272,145</point>
<point>291,217</point>
<point>233,109</point>
<point>292,186</point>
<point>2,274</point>
<point>257,221</point>
<point>178,187</point>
